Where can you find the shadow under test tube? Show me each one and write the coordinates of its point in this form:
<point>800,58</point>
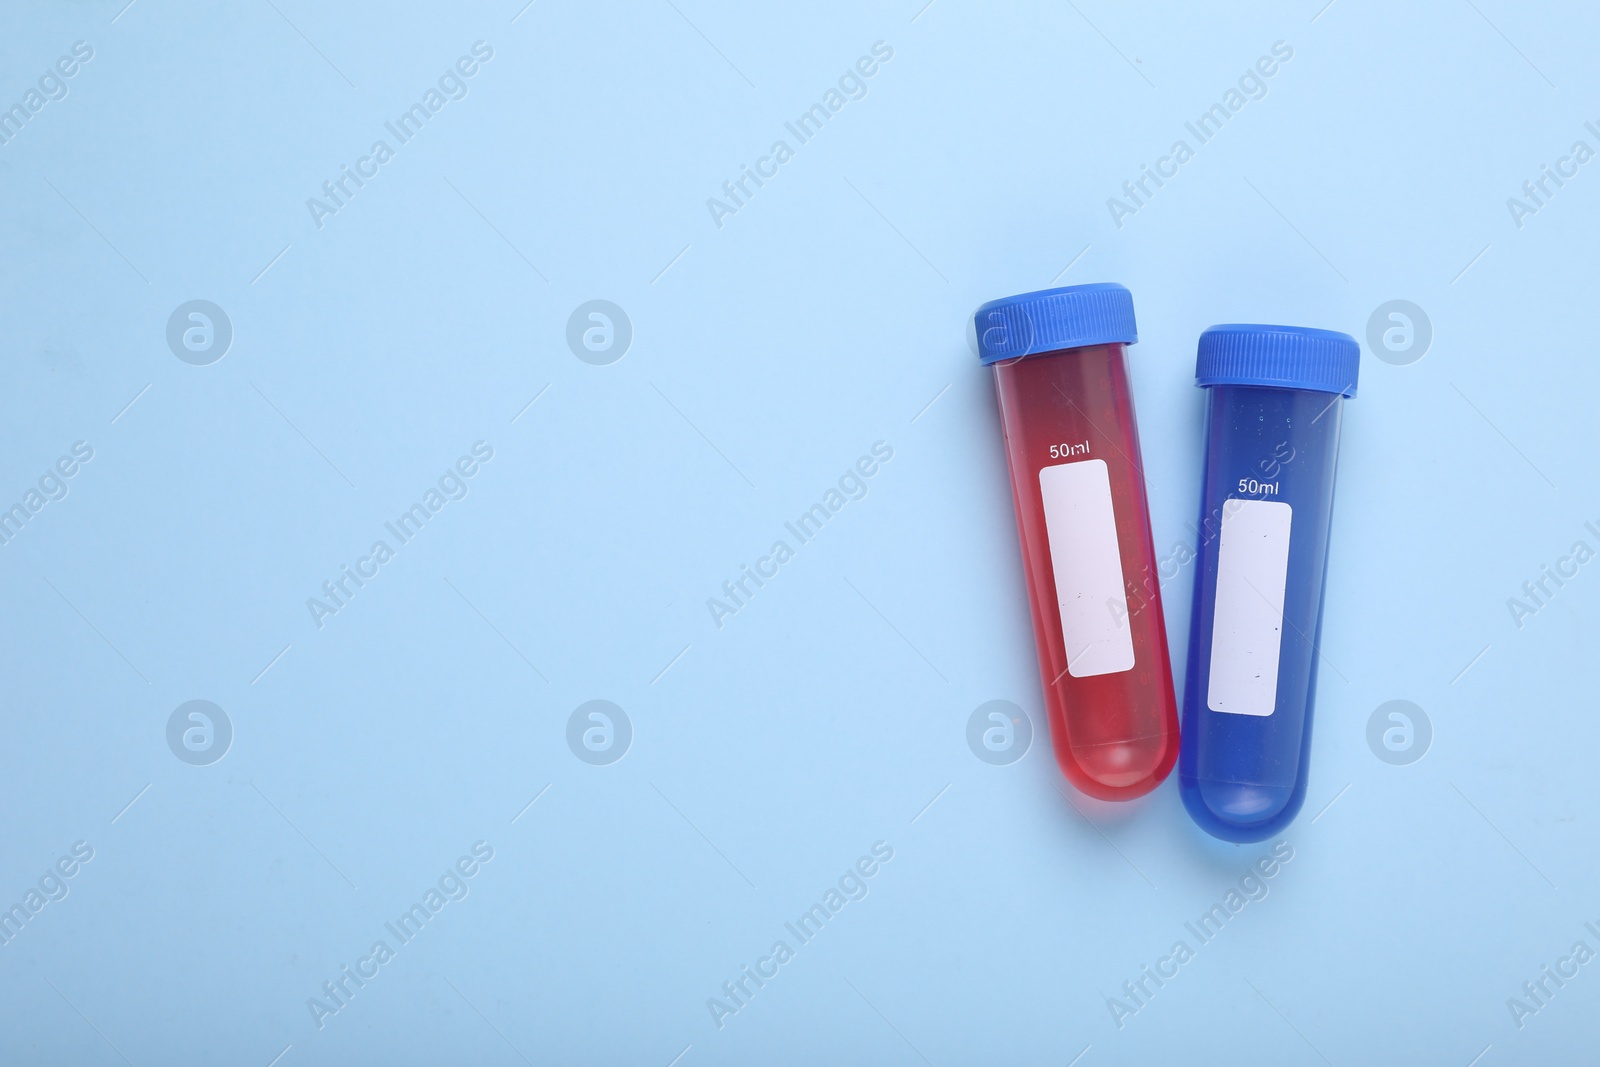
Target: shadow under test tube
<point>1061,377</point>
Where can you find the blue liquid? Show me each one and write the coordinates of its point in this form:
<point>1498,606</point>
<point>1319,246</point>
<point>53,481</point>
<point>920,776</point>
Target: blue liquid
<point>1243,777</point>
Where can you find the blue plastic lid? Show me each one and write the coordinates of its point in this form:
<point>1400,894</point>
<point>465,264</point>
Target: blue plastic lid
<point>1053,319</point>
<point>1288,357</point>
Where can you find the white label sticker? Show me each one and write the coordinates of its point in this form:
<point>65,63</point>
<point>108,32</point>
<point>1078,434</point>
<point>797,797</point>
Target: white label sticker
<point>1087,562</point>
<point>1247,628</point>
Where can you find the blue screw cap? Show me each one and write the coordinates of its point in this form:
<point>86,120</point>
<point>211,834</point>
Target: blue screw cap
<point>1053,319</point>
<point>1286,357</point>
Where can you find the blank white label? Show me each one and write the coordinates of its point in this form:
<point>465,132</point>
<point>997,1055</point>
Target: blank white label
<point>1247,628</point>
<point>1087,562</point>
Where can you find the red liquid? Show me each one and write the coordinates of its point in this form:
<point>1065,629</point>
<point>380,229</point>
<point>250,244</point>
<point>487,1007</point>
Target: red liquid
<point>1115,735</point>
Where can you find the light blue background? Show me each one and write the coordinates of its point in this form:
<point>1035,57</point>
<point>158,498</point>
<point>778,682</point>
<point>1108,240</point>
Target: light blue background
<point>768,355</point>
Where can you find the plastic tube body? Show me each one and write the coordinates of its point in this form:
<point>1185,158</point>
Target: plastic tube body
<point>1076,477</point>
<point>1265,510</point>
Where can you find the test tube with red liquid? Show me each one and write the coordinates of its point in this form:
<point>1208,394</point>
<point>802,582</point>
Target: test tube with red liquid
<point>1061,374</point>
